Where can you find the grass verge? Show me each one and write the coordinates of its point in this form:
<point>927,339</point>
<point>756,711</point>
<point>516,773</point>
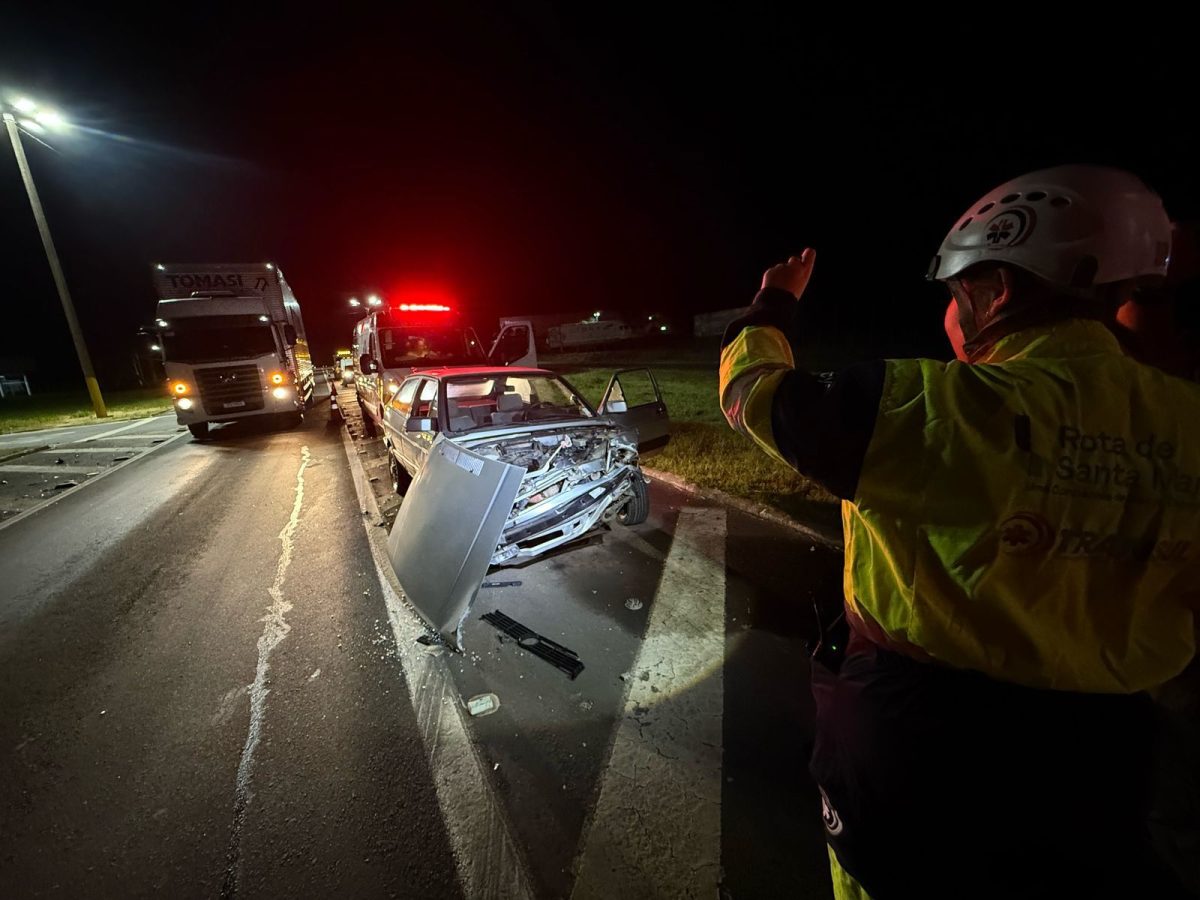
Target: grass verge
<point>54,409</point>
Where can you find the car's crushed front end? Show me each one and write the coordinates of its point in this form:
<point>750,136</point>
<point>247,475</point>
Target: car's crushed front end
<point>577,477</point>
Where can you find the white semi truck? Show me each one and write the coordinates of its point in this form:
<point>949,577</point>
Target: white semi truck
<point>233,342</point>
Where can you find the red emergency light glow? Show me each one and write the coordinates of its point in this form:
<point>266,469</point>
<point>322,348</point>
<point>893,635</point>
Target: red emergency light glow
<point>423,307</point>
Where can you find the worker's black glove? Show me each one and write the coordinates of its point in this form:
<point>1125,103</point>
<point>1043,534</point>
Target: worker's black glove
<point>772,306</point>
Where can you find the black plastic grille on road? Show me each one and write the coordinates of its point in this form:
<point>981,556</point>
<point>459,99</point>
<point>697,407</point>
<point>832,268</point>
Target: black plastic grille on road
<point>238,385</point>
<point>556,654</point>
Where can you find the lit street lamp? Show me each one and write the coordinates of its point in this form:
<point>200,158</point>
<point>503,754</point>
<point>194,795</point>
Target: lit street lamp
<point>374,300</point>
<point>36,120</point>
<point>354,301</point>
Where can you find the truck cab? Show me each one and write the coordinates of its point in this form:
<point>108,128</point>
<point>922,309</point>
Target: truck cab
<point>232,353</point>
<point>343,368</point>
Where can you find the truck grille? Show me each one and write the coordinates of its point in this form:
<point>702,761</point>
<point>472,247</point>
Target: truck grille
<point>230,389</point>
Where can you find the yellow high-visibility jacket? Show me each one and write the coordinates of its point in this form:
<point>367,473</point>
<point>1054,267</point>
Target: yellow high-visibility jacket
<point>1034,516</point>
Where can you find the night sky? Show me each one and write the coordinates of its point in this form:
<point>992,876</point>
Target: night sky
<point>534,157</point>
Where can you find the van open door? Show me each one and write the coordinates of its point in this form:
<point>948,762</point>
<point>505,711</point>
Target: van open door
<point>514,347</point>
<point>633,399</point>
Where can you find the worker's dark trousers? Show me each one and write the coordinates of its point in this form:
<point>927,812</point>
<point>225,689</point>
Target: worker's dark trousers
<point>944,783</point>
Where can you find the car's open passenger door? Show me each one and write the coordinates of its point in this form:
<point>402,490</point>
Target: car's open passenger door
<point>633,399</point>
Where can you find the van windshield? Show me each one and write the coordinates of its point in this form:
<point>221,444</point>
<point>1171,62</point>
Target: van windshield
<point>416,348</point>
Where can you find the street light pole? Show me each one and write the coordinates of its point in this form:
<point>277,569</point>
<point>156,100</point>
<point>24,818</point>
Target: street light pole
<point>60,281</point>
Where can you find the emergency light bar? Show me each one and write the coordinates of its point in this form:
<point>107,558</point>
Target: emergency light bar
<point>423,307</point>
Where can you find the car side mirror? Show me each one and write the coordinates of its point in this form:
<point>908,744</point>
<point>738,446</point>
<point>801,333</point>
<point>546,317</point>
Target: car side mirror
<point>616,406</point>
<point>415,425</point>
<point>366,364</point>
<point>289,335</point>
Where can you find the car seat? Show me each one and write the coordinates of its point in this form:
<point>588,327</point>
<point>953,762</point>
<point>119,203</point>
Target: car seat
<point>458,422</point>
<point>509,408</point>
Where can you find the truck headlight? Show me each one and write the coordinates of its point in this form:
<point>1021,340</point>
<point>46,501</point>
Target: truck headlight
<point>179,388</point>
<point>281,393</point>
<point>184,403</point>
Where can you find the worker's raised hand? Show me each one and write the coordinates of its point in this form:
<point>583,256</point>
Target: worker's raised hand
<point>791,276</point>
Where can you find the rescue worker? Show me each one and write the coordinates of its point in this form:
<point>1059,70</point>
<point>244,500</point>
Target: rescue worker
<point>1022,532</point>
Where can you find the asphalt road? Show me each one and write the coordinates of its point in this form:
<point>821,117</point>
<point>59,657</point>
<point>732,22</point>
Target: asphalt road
<point>210,688</point>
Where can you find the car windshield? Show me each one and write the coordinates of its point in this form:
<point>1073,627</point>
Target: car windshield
<point>211,338</point>
<point>415,348</point>
<point>492,400</point>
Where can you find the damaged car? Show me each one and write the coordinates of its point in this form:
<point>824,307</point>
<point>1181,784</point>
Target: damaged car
<point>501,465</point>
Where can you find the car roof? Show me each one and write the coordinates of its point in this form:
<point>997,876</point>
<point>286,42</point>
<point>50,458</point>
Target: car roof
<point>481,371</point>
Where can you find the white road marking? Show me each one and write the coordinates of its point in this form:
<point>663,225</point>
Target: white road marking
<point>134,424</point>
<point>64,449</point>
<point>146,436</point>
<point>274,631</point>
<point>656,828</point>
<point>90,481</point>
<point>18,469</point>
<point>489,861</point>
<point>13,442</point>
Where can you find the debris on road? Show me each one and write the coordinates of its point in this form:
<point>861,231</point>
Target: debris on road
<point>61,485</point>
<point>500,584</point>
<point>121,458</point>
<point>60,462</point>
<point>633,603</point>
<point>433,643</point>
<point>562,658</point>
<point>483,704</point>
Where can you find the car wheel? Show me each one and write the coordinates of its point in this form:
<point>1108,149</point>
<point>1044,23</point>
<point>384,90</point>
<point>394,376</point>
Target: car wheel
<point>637,509</point>
<point>400,477</point>
<point>199,430</point>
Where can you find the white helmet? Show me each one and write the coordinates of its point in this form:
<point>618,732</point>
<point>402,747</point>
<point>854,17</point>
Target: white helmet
<point>1074,227</point>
